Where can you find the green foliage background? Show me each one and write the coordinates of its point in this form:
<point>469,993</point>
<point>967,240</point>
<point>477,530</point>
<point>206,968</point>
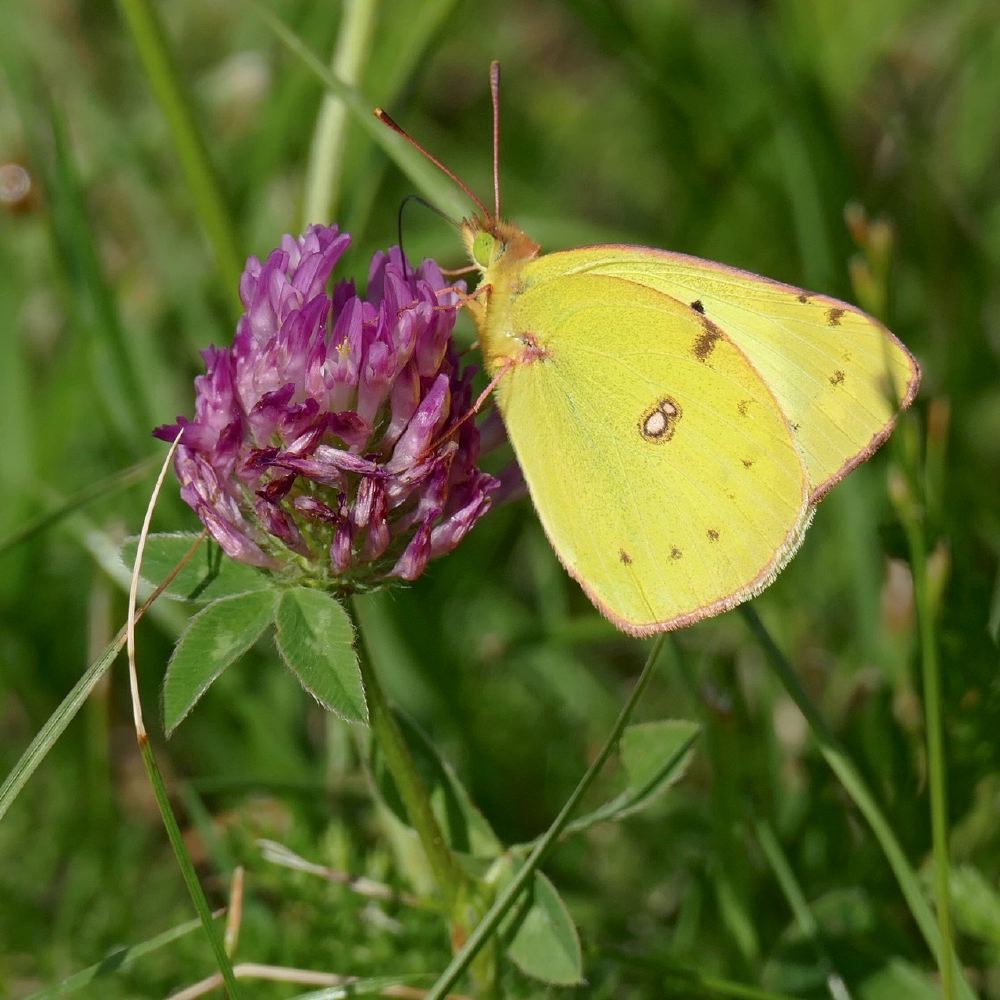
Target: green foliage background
<point>732,130</point>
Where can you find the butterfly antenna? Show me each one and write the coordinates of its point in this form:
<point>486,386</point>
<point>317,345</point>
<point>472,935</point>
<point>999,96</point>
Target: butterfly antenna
<point>384,118</point>
<point>399,221</point>
<point>495,95</point>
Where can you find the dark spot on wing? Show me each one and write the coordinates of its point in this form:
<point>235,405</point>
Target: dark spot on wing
<point>747,462</point>
<point>713,535</point>
<point>705,342</point>
<point>795,427</point>
<point>743,406</point>
<point>803,298</point>
<point>659,422</point>
<point>625,557</point>
<point>675,553</point>
<point>833,316</point>
<point>837,377</point>
<point>698,307</point>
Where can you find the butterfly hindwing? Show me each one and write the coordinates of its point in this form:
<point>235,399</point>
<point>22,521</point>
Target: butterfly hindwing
<point>664,472</point>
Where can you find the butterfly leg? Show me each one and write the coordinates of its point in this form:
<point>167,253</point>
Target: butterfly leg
<point>473,301</point>
<point>474,409</point>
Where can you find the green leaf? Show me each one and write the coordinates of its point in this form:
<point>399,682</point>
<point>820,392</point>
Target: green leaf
<point>209,575</point>
<point>464,827</point>
<point>655,756</point>
<point>213,639</point>
<point>976,905</point>
<point>316,641</point>
<point>545,943</point>
<point>899,979</point>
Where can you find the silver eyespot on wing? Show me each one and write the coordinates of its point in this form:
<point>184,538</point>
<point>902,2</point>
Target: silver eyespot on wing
<point>660,421</point>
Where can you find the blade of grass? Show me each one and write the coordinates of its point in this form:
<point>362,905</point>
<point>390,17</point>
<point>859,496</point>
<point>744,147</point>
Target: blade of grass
<point>234,918</point>
<point>85,297</point>
<point>20,456</point>
<point>113,366</point>
<point>738,991</point>
<point>405,42</point>
<point>799,906</point>
<point>855,786</point>
<point>56,724</point>
<point>120,480</point>
<point>184,862</point>
<point>508,898</point>
<point>677,980</point>
<point>911,518</point>
<point>151,43</point>
<point>119,960</point>
<point>186,866</point>
<point>392,64</point>
<point>431,184</point>
<point>279,854</point>
<point>326,155</point>
<point>293,90</point>
<point>405,985</point>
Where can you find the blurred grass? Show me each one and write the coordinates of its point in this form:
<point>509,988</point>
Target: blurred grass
<point>735,131</point>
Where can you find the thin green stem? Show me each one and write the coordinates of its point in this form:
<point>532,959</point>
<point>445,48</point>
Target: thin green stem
<point>937,773</point>
<point>462,897</point>
<point>854,785</point>
<point>451,880</point>
<point>151,43</point>
<point>326,156</point>
<point>507,899</point>
<point>187,868</point>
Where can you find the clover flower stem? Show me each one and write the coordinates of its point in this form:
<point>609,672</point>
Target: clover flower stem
<point>412,791</point>
<point>461,896</point>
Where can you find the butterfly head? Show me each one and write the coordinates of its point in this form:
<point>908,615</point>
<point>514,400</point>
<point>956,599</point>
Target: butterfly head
<point>496,244</point>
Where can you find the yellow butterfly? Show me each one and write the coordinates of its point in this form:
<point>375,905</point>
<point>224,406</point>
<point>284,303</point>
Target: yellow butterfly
<point>676,420</point>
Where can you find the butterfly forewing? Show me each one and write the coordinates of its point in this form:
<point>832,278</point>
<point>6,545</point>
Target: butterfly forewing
<point>664,472</point>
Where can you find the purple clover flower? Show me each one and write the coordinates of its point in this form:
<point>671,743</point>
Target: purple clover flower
<point>329,441</point>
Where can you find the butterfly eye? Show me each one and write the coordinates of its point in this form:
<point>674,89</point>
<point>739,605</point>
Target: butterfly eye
<point>484,249</point>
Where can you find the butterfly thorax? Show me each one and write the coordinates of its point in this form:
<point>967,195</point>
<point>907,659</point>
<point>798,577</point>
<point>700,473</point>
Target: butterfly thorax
<point>500,250</point>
